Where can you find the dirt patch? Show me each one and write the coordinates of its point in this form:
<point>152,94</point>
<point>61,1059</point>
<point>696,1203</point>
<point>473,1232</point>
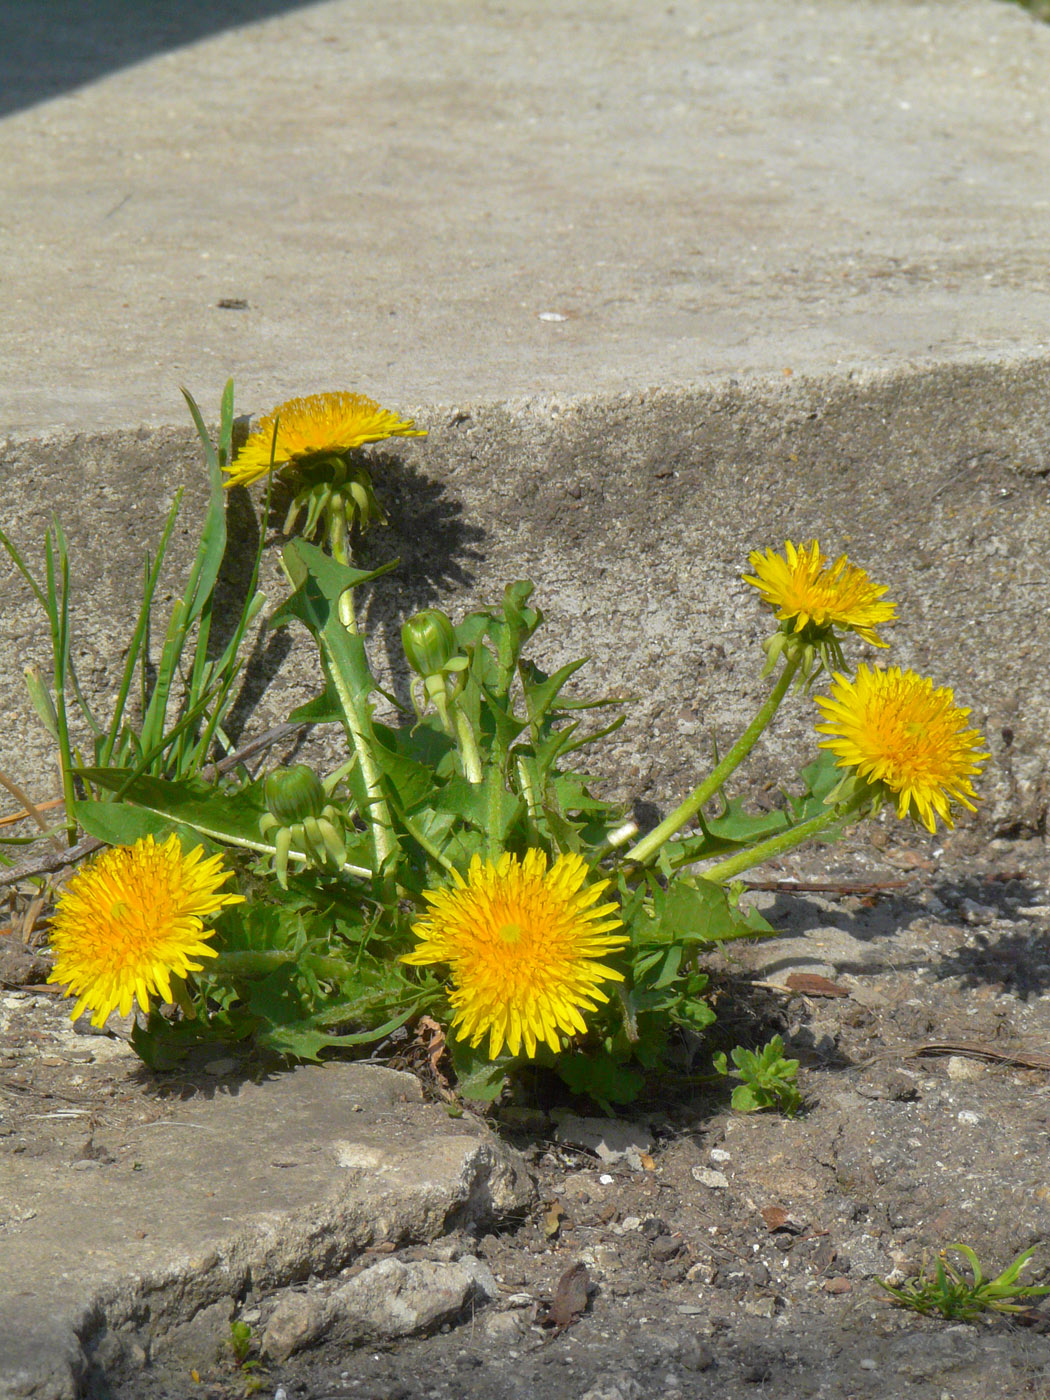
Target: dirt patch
<point>725,1254</point>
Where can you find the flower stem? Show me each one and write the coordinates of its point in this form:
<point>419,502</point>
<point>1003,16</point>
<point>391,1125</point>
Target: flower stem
<point>339,542</point>
<point>378,813</point>
<point>651,843</point>
<point>228,967</point>
<point>787,840</point>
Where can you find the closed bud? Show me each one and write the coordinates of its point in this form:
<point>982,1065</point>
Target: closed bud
<point>429,641</point>
<point>293,794</point>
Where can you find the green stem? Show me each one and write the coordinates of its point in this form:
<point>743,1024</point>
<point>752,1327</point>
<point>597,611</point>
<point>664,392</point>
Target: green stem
<point>494,804</point>
<point>786,841</point>
<point>339,540</point>
<point>650,844</point>
<point>378,813</point>
<point>228,967</point>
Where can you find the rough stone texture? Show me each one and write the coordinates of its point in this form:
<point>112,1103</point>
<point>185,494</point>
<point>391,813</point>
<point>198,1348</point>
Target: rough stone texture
<point>800,256</point>
<point>635,517</point>
<point>268,1183</point>
<point>388,1300</point>
<point>610,1139</point>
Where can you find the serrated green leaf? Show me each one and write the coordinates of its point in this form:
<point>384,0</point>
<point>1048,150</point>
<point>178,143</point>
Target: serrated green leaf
<point>228,817</point>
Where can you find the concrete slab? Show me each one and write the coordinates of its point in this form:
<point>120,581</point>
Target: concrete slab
<point>257,1186</point>
<point>438,201</point>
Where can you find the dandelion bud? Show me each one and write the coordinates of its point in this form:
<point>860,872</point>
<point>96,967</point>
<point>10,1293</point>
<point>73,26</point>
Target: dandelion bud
<point>429,641</point>
<point>293,794</point>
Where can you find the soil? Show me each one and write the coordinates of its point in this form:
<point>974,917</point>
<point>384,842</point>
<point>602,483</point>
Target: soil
<point>725,1254</point>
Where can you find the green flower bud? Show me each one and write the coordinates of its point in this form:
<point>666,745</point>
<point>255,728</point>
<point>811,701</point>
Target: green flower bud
<point>429,641</point>
<point>293,794</point>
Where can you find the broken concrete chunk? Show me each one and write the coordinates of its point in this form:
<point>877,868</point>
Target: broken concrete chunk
<point>612,1139</point>
<point>390,1299</point>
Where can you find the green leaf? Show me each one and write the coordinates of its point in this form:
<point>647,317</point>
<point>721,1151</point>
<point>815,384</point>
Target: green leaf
<point>602,1077</point>
<point>319,583</point>
<point>470,801</point>
<point>231,818</point>
<point>697,911</point>
<point>119,823</point>
<point>322,709</point>
<point>477,1077</point>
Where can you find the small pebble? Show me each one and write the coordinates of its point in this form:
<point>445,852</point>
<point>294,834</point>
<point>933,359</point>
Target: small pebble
<point>717,1181</point>
<point>963,1069</point>
<point>719,1154</point>
<point>220,1067</point>
<point>975,913</point>
<point>968,1116</point>
<point>665,1247</point>
<point>606,1179</point>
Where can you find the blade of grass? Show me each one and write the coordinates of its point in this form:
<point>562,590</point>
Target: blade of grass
<point>138,649</point>
<point>57,607</point>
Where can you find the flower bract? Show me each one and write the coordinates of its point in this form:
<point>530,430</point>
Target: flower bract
<point>522,944</point>
<point>133,918</point>
<point>803,588</point>
<point>315,426</point>
<point>899,732</point>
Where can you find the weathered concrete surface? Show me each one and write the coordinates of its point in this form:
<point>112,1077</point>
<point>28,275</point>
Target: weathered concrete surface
<point>260,1185</point>
<point>402,193</point>
<point>400,196</point>
<point>854,191</point>
<point>635,516</point>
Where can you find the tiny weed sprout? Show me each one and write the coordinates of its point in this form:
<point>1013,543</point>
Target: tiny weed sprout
<point>959,1298</point>
<point>240,1341</point>
<point>767,1079</point>
<point>455,868</point>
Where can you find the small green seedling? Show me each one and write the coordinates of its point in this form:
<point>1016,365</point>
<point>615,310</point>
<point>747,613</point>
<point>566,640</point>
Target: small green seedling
<point>241,1345</point>
<point>960,1299</point>
<point>768,1079</point>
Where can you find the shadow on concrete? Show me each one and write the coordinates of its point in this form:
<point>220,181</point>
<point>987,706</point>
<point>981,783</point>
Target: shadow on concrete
<point>435,547</point>
<point>48,47</point>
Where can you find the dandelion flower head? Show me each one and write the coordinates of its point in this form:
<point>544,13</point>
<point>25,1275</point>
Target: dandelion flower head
<point>317,425</point>
<point>522,945</point>
<point>133,918</point>
<point>802,587</point>
<point>897,730</point>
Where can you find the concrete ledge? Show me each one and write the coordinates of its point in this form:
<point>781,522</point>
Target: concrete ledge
<point>634,515</point>
<point>255,1187</point>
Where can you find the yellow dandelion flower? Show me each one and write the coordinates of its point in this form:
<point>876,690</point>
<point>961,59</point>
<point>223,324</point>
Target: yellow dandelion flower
<point>521,942</point>
<point>896,730</point>
<point>129,921</point>
<point>317,425</point>
<point>803,588</point>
